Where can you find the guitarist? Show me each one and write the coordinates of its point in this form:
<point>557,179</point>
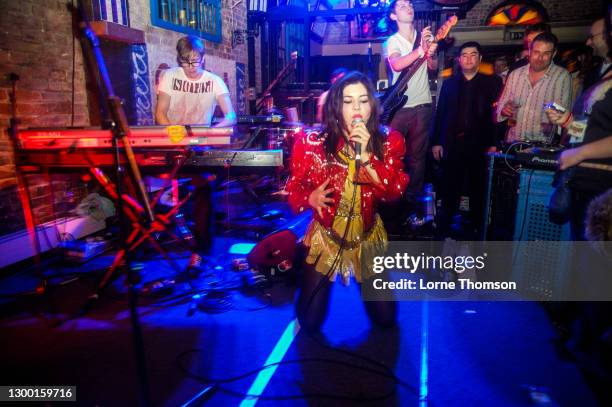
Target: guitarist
<point>401,50</point>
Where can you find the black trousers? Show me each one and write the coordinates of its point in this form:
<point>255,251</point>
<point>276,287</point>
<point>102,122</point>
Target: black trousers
<point>413,123</point>
<point>313,302</point>
<point>465,161</point>
<point>202,213</point>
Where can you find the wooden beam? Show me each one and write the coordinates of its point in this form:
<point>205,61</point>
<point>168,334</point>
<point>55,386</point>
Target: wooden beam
<point>117,32</point>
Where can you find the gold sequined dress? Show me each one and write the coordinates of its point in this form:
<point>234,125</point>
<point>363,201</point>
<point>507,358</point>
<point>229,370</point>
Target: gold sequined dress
<point>328,252</point>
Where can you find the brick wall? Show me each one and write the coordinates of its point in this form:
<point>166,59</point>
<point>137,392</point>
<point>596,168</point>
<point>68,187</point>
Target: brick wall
<point>258,84</point>
<point>36,42</point>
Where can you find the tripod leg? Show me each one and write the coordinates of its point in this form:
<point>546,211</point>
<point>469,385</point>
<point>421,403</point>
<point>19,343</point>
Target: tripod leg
<point>23,189</point>
<point>202,215</point>
<point>147,234</point>
<point>111,270</point>
<point>164,253</point>
<point>185,239</point>
<point>180,240</point>
<point>116,262</point>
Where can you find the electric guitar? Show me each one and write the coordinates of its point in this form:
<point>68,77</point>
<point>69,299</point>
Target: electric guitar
<point>394,97</point>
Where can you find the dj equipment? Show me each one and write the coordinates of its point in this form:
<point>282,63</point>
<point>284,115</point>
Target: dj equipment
<point>517,200</point>
<point>517,210</point>
<point>500,205</point>
<point>547,158</point>
<point>539,157</point>
<point>145,136</point>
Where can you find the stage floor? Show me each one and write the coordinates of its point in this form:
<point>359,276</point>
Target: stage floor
<point>441,353</point>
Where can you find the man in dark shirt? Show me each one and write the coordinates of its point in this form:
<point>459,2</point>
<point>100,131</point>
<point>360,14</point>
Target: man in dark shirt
<point>531,32</point>
<point>464,131</point>
<point>598,42</point>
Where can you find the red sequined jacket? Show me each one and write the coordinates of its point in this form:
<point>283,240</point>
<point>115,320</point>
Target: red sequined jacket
<point>310,168</point>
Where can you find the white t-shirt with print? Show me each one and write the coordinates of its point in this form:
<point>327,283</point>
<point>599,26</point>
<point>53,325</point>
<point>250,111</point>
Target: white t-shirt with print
<point>191,101</point>
<point>418,86</point>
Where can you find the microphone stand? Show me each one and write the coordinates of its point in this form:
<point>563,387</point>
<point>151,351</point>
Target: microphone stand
<point>22,185</point>
<point>357,148</point>
<point>23,191</point>
<point>120,131</point>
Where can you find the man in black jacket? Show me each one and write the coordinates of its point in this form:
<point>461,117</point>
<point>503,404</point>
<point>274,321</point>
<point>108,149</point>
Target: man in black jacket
<point>463,132</point>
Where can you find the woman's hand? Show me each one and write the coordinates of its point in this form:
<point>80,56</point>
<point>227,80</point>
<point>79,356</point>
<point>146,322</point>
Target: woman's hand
<point>556,117</point>
<point>319,198</point>
<point>360,134</point>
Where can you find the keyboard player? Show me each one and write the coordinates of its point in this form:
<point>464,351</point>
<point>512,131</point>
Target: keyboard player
<point>189,94</point>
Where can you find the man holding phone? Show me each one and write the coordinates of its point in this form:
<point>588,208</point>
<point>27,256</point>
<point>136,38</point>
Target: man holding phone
<point>529,88</point>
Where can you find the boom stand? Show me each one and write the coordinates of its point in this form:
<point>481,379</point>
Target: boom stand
<point>120,129</point>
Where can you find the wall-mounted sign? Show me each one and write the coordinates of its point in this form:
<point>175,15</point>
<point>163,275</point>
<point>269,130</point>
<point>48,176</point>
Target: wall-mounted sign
<point>514,35</point>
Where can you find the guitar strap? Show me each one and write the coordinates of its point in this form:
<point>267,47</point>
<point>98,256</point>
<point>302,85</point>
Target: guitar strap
<point>417,40</point>
<point>604,73</point>
<point>415,45</point>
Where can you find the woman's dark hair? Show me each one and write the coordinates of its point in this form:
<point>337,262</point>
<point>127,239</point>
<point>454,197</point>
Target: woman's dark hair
<point>334,122</point>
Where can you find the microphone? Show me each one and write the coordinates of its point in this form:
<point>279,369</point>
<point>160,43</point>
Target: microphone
<point>357,146</point>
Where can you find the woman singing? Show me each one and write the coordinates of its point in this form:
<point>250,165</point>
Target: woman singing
<point>343,191</point>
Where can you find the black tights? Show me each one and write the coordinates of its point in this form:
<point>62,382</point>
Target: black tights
<point>312,311</point>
